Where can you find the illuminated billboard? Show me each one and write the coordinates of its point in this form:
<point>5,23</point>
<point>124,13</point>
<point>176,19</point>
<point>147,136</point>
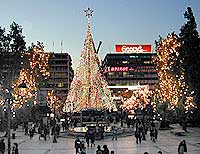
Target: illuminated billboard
<point>133,48</point>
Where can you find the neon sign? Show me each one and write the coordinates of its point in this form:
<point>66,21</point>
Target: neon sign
<point>133,48</point>
<point>136,69</point>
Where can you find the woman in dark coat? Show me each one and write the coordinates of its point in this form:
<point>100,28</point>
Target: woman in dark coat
<point>182,148</point>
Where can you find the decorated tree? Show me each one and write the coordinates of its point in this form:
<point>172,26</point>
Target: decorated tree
<point>53,101</point>
<point>139,100</point>
<point>190,54</point>
<point>28,92</point>
<point>89,88</point>
<point>33,74</point>
<point>171,87</point>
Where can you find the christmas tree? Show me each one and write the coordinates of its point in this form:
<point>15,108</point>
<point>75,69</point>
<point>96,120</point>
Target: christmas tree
<point>171,87</point>
<point>33,74</point>
<point>89,89</point>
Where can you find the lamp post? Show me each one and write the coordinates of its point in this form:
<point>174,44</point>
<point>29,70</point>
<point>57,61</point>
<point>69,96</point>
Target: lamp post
<point>9,120</point>
<point>9,100</point>
<point>54,119</point>
<point>121,117</point>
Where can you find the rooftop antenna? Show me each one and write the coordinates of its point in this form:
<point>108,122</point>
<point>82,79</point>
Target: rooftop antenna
<point>61,45</point>
<point>53,46</point>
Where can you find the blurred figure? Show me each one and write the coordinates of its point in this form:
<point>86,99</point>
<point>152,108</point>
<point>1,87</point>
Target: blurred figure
<point>114,132</point>
<point>15,149</point>
<point>105,149</point>
<point>87,138</point>
<point>182,148</point>
<point>99,151</point>
<point>2,146</point>
<point>77,145</point>
<point>138,136</point>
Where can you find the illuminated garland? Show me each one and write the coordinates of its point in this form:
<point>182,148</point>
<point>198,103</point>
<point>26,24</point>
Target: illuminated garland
<point>32,75</point>
<point>22,95</point>
<point>171,87</point>
<point>53,101</point>
<point>138,100</point>
<point>89,88</point>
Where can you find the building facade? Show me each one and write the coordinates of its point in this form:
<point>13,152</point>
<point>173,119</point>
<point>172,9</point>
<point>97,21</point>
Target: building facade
<point>61,75</point>
<point>129,67</point>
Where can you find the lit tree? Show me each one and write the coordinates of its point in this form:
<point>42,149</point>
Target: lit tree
<point>53,101</point>
<point>34,74</point>
<point>139,99</point>
<point>190,54</point>
<point>22,95</point>
<point>38,63</point>
<point>171,87</point>
<point>89,88</point>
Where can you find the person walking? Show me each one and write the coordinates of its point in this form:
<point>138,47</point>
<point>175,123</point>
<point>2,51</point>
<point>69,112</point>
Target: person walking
<point>77,145</point>
<point>138,136</point>
<point>2,146</point>
<point>105,149</point>
<point>87,138</point>
<point>15,149</point>
<point>31,133</point>
<point>182,148</point>
<point>99,151</point>
<point>114,132</point>
<point>92,139</point>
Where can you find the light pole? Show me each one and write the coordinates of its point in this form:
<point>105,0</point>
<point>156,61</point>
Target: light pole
<point>9,100</point>
<point>54,123</point>
<point>9,120</point>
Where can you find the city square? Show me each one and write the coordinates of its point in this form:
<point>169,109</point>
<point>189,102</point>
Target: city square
<point>141,98</point>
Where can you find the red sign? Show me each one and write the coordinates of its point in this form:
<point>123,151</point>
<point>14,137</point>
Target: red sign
<point>136,69</point>
<point>133,48</point>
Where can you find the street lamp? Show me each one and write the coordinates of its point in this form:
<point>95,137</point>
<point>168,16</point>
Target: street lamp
<point>9,100</point>
<point>54,123</point>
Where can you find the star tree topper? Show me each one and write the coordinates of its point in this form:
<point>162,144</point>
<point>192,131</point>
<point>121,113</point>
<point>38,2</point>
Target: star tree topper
<point>88,12</point>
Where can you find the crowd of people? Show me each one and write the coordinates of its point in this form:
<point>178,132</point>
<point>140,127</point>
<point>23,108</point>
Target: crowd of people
<point>140,126</point>
<point>141,129</point>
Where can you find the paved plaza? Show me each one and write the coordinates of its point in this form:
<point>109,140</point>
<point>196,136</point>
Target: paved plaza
<point>167,143</point>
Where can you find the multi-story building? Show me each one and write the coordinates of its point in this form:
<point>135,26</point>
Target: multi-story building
<point>130,67</point>
<point>61,74</point>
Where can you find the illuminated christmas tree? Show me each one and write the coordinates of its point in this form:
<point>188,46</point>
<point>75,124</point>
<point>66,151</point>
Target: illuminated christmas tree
<point>89,89</point>
<point>171,87</point>
<point>33,74</point>
<point>22,95</point>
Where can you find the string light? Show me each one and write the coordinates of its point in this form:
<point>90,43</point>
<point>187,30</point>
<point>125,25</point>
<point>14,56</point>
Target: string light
<point>138,100</point>
<point>171,87</point>
<point>32,75</point>
<point>89,88</point>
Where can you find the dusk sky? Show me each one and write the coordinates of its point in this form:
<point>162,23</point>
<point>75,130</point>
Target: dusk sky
<point>113,21</point>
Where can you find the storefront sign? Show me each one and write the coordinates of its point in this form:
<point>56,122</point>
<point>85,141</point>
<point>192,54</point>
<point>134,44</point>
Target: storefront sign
<point>136,69</point>
<point>133,48</point>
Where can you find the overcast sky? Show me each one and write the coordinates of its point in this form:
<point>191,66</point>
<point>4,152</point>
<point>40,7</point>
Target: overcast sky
<point>113,21</point>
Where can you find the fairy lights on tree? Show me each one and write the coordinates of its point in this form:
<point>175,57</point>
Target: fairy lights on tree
<point>22,95</point>
<point>53,101</point>
<point>140,99</point>
<point>171,87</point>
<point>33,73</point>
<point>89,88</point>
<point>38,61</point>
